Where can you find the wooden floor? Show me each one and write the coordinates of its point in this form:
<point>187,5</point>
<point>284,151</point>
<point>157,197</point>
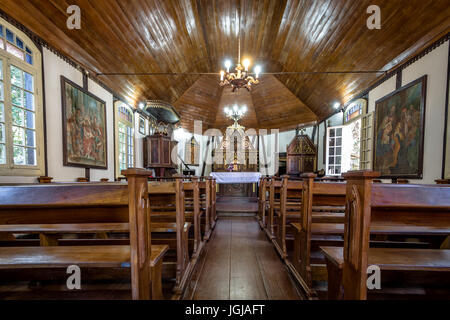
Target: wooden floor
<point>240,263</point>
<point>240,205</point>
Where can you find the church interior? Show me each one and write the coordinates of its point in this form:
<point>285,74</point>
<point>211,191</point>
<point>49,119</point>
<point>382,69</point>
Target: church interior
<point>224,150</point>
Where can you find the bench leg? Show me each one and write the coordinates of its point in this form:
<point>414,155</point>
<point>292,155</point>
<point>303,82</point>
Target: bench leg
<point>157,293</point>
<point>335,290</point>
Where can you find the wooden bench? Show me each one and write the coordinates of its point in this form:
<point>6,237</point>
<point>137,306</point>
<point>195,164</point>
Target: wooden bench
<point>288,212</point>
<point>85,208</point>
<point>321,222</point>
<point>395,209</point>
<point>274,185</point>
<point>205,197</point>
<point>213,192</point>
<point>167,206</point>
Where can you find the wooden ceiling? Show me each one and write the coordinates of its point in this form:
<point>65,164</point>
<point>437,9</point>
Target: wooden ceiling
<point>142,36</point>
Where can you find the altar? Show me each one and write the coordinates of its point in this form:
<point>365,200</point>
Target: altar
<point>237,184</point>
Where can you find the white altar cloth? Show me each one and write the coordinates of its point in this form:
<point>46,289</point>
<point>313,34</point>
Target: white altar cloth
<point>236,177</point>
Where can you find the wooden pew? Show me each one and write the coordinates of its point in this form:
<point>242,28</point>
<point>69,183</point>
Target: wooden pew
<point>60,208</point>
<point>274,203</point>
<point>213,191</point>
<point>289,211</point>
<point>263,201</point>
<point>321,222</point>
<point>205,198</point>
<point>167,207</point>
<point>389,209</point>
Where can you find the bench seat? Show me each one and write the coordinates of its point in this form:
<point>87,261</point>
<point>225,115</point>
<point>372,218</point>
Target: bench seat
<point>397,259</point>
<point>62,257</point>
<point>85,228</point>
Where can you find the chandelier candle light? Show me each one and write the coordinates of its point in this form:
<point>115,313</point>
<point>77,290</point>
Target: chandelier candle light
<point>235,113</point>
<point>240,78</point>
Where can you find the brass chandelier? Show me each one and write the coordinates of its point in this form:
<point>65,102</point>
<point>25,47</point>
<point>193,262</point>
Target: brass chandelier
<point>241,78</point>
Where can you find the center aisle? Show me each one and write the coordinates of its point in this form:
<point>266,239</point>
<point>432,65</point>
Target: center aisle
<point>239,263</point>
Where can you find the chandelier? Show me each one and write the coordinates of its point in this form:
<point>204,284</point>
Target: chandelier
<point>235,113</point>
<point>241,78</point>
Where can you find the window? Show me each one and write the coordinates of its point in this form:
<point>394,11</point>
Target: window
<point>124,137</point>
<point>366,141</point>
<point>334,151</point>
<point>21,116</point>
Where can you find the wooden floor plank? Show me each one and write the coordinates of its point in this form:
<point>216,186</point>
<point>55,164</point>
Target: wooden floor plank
<point>241,264</point>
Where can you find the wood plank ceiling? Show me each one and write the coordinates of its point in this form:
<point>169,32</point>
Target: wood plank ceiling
<point>142,36</point>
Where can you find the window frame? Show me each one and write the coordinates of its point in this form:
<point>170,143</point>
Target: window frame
<point>327,164</point>
<point>127,124</point>
<point>367,137</point>
<point>8,59</point>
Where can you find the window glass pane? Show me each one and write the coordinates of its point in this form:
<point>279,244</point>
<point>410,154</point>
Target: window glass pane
<point>30,138</point>
<point>19,155</point>
<point>16,77</point>
<point>2,154</point>
<point>29,59</point>
<point>28,50</point>
<point>339,132</point>
<point>338,151</point>
<point>29,101</point>
<point>337,170</point>
<point>29,121</point>
<point>2,112</point>
<point>332,132</point>
<point>331,151</point>
<point>339,142</point>
<point>15,51</point>
<point>17,96</point>
<point>2,96</point>
<point>18,117</point>
<point>18,136</point>
<point>338,160</point>
<point>2,133</point>
<point>331,160</point>
<point>9,35</point>
<point>19,43</point>
<point>31,156</point>
<point>1,31</point>
<point>29,83</point>
<point>1,68</point>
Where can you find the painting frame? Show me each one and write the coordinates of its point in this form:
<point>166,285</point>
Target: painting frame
<point>104,140</point>
<point>400,93</point>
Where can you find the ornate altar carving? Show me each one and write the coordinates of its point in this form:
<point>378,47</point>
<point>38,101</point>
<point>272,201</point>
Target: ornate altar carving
<point>301,155</point>
<point>236,152</point>
<point>192,152</point>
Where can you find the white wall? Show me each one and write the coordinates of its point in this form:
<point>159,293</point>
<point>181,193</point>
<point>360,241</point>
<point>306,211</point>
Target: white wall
<point>54,68</point>
<point>434,64</point>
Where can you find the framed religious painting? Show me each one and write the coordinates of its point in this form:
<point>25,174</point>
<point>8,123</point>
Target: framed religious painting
<point>84,127</point>
<point>399,132</point>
